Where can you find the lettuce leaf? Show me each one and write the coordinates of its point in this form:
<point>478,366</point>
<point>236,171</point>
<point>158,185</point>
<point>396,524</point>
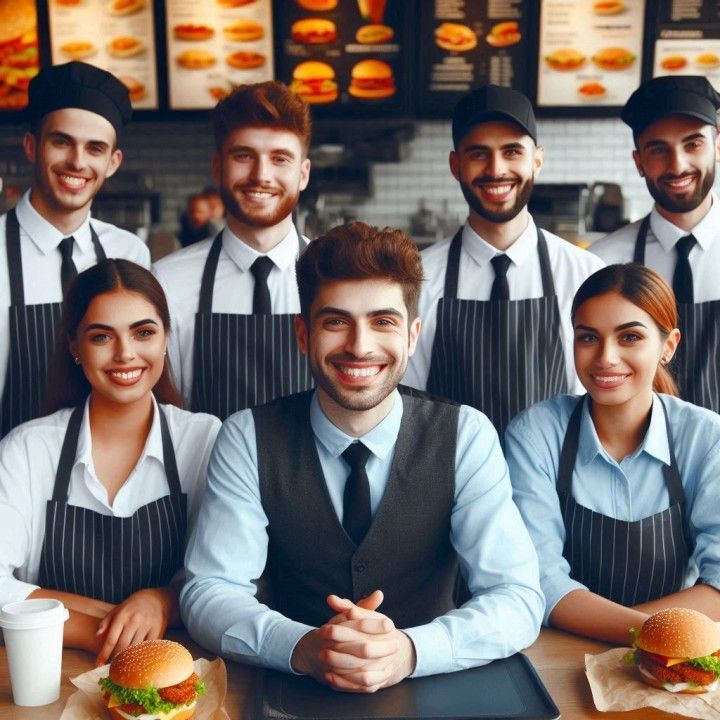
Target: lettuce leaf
<point>630,658</point>
<point>708,662</point>
<point>149,697</point>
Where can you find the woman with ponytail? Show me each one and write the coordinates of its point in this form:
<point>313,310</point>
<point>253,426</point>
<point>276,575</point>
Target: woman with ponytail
<point>619,487</point>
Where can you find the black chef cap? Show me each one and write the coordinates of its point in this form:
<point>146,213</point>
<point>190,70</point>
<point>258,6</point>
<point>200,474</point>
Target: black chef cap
<point>682,95</point>
<point>79,85</point>
<point>492,102</point>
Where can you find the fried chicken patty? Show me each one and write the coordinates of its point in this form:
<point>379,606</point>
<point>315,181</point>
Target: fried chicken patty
<point>181,693</point>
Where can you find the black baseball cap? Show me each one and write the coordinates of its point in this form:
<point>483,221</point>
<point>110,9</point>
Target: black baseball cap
<point>79,85</point>
<point>492,102</point>
<point>689,95</point>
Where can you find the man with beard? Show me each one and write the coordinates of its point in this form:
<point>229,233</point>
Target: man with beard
<point>496,301</point>
<point>354,502</point>
<point>674,124</point>
<point>233,297</point>
<point>77,113</point>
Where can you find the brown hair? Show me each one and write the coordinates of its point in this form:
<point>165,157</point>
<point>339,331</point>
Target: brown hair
<point>646,289</point>
<point>358,251</point>
<point>267,104</point>
<point>67,384</point>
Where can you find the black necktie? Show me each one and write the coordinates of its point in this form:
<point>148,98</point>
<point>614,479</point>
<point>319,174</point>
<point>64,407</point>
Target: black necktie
<point>500,289</point>
<point>682,277</point>
<point>356,498</point>
<point>68,271</point>
<point>261,294</point>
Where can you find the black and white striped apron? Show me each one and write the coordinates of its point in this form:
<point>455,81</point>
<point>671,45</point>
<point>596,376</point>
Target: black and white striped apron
<point>107,557</point>
<point>628,562</point>
<point>242,360</point>
<point>498,356</point>
<point>697,359</point>
<point>31,338</point>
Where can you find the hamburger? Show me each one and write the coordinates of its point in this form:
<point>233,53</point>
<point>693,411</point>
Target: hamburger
<point>78,49</point>
<point>565,59</point>
<point>678,649</point>
<point>592,90</point>
<point>19,61</point>
<point>318,5</point>
<point>314,31</point>
<point>155,678</point>
<point>707,61</point>
<point>125,7</point>
<point>613,58</point>
<point>374,34</point>
<point>372,80</point>
<point>244,31</point>
<point>314,82</point>
<point>136,89</point>
<point>234,3</point>
<point>673,62</point>
<point>125,46</point>
<point>195,59</point>
<point>245,60</point>
<point>193,31</point>
<point>455,36</point>
<point>608,7</point>
<point>504,34</point>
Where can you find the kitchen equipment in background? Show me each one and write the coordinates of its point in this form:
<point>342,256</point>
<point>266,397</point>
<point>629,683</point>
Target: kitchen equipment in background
<point>605,211</point>
<point>561,209</point>
<point>128,201</point>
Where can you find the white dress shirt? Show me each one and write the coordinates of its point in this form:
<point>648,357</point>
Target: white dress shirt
<point>41,261</point>
<point>660,254</point>
<point>228,550</point>
<point>180,274</point>
<point>29,457</point>
<point>570,265</point>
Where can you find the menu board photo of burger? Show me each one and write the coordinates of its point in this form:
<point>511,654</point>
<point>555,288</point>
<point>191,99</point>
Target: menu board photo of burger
<point>688,43</point>
<point>115,35</point>
<point>345,55</point>
<point>465,45</point>
<point>214,46</point>
<point>19,61</point>
<point>590,53</point>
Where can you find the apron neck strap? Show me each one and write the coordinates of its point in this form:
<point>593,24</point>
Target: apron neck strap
<point>568,454</point>
<point>452,271</point>
<point>69,452</point>
<point>641,241</point>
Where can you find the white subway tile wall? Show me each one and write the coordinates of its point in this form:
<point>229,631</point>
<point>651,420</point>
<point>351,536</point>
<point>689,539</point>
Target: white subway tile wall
<point>176,156</point>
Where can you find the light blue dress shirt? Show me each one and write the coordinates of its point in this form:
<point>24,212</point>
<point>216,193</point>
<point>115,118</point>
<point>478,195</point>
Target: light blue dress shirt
<point>630,490</point>
<point>228,549</point>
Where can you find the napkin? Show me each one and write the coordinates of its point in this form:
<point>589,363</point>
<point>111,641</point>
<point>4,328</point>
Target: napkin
<point>88,702</point>
<point>616,686</point>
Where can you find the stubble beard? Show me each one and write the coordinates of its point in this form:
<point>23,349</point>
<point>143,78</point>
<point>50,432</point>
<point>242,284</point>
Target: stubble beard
<point>688,204</point>
<point>523,197</point>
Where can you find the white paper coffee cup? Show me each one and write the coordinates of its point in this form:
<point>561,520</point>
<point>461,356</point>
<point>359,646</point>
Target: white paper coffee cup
<point>33,632</point>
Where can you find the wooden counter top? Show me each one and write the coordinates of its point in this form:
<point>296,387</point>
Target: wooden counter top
<point>557,656</point>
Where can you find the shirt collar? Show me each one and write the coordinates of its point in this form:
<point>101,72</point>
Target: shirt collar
<point>482,251</point>
<point>284,254</point>
<point>655,443</point>
<point>380,440</point>
<point>45,235</point>
<point>153,444</point>
<point>668,234</point>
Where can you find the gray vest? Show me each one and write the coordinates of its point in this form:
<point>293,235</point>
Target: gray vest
<point>407,551</point>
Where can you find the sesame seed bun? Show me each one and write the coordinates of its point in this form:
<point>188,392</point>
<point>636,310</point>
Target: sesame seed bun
<point>372,80</point>
<point>679,633</point>
<point>18,18</point>
<point>314,82</point>
<point>154,663</point>
<point>314,31</point>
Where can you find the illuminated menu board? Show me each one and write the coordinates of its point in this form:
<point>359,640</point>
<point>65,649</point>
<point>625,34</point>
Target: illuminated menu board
<point>467,44</point>
<point>19,60</point>
<point>590,52</point>
<point>115,35</point>
<point>687,39</point>
<point>214,46</point>
<point>346,56</point>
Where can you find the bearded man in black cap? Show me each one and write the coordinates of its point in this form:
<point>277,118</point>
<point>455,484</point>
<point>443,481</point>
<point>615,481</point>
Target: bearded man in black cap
<point>77,112</point>
<point>674,125</point>
<point>496,302</point>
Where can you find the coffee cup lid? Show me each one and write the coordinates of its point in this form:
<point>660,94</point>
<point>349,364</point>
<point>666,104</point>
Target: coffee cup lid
<point>32,614</point>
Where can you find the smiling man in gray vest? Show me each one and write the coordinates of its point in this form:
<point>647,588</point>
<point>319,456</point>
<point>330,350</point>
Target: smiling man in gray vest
<point>356,502</point>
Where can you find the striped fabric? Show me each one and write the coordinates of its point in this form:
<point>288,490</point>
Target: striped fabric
<point>697,360</point>
<point>499,357</point>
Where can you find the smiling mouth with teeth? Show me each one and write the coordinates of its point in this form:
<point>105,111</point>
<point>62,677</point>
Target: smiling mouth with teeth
<point>125,375</point>
<point>359,372</point>
<point>73,181</point>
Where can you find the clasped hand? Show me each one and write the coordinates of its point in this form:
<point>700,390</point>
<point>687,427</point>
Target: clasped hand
<point>357,650</point>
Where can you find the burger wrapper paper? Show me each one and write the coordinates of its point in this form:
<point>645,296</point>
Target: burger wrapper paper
<point>88,702</point>
<point>616,686</point>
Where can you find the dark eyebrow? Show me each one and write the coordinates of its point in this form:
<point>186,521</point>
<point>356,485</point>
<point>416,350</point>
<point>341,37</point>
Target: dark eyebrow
<point>329,310</point>
<point>687,138</point>
<point>138,323</point>
<point>624,326</point>
<point>65,136</point>
<point>506,146</point>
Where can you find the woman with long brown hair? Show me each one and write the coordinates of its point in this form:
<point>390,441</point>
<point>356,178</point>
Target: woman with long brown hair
<point>96,498</point>
<point>619,487</point>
